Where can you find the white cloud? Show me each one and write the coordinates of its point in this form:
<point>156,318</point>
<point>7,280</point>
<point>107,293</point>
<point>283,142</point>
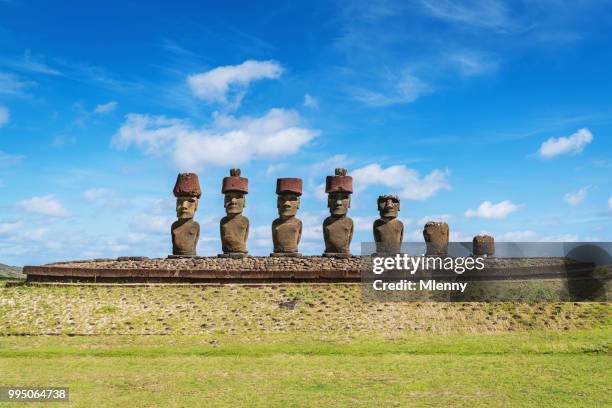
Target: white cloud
<point>610,202</point>
<point>12,85</point>
<point>573,144</point>
<point>517,236</point>
<point>8,227</point>
<point>329,164</point>
<point>275,168</point>
<point>311,102</point>
<point>105,108</point>
<point>9,159</point>
<point>403,179</point>
<point>44,205</point>
<point>560,238</point>
<point>214,86</point>
<point>490,14</point>
<point>5,115</point>
<point>363,223</point>
<point>396,89</point>
<point>472,64</point>
<point>229,141</point>
<point>104,197</point>
<point>152,224</point>
<point>30,63</point>
<point>576,197</point>
<point>489,210</point>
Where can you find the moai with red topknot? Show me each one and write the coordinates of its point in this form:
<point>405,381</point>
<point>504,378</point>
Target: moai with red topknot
<point>234,226</point>
<point>287,229</point>
<point>338,228</point>
<point>185,231</point>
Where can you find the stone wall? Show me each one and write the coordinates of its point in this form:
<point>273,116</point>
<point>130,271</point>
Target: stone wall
<point>271,269</point>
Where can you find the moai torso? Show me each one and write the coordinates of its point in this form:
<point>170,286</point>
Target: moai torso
<point>286,234</point>
<point>185,235</point>
<point>388,235</point>
<point>338,233</point>
<point>234,234</point>
<point>436,238</point>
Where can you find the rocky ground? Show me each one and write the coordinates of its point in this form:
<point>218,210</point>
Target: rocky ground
<point>253,311</point>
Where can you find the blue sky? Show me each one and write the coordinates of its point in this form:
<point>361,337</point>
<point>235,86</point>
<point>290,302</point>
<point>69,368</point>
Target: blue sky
<point>494,116</point>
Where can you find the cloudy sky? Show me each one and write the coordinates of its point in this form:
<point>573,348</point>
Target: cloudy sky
<point>493,116</point>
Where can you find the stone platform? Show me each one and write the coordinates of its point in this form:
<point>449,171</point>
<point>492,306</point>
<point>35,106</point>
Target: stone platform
<point>259,269</point>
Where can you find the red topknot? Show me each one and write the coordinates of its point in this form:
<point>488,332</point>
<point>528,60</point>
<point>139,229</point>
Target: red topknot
<point>187,185</point>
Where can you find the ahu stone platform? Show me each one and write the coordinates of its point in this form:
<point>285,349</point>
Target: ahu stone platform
<point>259,269</point>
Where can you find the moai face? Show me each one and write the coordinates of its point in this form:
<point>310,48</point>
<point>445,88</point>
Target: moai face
<point>234,202</point>
<point>186,207</point>
<point>338,202</point>
<point>388,206</point>
<point>288,203</point>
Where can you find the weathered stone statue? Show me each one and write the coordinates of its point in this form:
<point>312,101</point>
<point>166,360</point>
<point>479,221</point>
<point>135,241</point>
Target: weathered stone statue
<point>234,226</point>
<point>287,229</point>
<point>436,238</point>
<point>388,230</point>
<point>185,231</point>
<point>483,245</point>
<point>338,228</point>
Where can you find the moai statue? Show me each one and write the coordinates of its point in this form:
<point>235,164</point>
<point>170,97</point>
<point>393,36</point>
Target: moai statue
<point>234,226</point>
<point>388,230</point>
<point>338,228</point>
<point>185,231</point>
<point>483,245</point>
<point>287,229</point>
<point>436,238</point>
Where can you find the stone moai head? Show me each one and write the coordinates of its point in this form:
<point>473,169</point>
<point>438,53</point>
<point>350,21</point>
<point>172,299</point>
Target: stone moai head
<point>388,206</point>
<point>483,245</point>
<point>339,189</point>
<point>187,192</point>
<point>436,237</point>
<point>289,191</point>
<point>235,188</point>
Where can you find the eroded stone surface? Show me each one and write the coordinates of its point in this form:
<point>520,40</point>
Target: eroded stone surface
<point>234,227</point>
<point>185,231</point>
<point>185,235</point>
<point>483,245</point>
<point>287,229</point>
<point>338,228</point>
<point>388,230</point>
<point>234,234</point>
<point>436,237</point>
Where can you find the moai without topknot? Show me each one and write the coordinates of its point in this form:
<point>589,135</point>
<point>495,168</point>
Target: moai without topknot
<point>338,228</point>
<point>287,229</point>
<point>388,230</point>
<point>483,245</point>
<point>436,238</point>
<point>234,226</point>
<point>185,231</point>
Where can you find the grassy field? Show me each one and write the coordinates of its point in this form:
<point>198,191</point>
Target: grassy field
<point>294,346</point>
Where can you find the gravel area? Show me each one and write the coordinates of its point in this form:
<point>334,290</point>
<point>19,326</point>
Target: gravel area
<point>264,263</point>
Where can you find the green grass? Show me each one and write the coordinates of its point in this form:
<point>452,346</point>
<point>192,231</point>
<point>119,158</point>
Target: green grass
<point>237,346</point>
<point>501,369</point>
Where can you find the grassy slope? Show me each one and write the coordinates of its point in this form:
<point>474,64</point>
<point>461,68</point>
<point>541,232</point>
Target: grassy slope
<point>234,346</point>
<point>10,272</point>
